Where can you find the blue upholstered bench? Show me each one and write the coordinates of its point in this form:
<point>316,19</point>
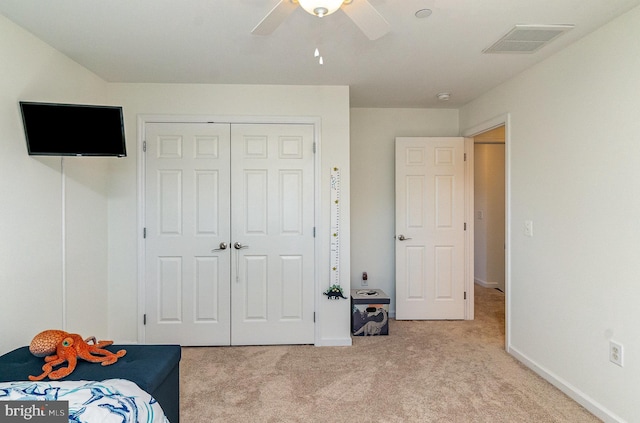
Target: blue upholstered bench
<point>154,368</point>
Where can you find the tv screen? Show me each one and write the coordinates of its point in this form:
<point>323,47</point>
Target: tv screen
<point>73,129</point>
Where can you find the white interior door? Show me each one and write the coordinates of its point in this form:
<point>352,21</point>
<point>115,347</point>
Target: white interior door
<point>430,238</point>
<point>272,215</point>
<point>229,243</point>
<point>187,220</point>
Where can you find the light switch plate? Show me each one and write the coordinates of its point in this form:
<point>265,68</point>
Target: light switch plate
<point>528,228</point>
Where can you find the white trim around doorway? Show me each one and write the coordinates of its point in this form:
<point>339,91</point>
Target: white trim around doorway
<point>493,123</point>
<point>143,119</point>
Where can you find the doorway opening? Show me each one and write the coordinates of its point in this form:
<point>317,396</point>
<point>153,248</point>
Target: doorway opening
<point>496,132</point>
<point>489,209</point>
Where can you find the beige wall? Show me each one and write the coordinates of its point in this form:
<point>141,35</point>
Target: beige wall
<point>573,148</point>
<point>42,284</point>
<point>373,133</point>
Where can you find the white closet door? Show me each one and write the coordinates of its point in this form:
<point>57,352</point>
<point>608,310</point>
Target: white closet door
<point>206,190</point>
<point>272,223</point>
<point>187,220</point>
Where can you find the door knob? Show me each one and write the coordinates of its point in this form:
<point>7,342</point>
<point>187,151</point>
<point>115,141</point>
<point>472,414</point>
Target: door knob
<point>222,246</point>
<point>402,238</point>
<point>239,246</point>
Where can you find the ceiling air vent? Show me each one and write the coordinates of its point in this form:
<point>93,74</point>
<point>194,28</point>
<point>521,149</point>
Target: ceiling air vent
<point>527,38</point>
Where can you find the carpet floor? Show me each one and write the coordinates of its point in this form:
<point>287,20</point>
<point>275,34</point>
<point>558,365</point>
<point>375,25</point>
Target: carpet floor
<point>423,371</point>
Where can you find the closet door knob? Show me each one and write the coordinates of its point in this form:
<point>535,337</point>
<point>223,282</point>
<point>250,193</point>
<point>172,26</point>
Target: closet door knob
<point>222,246</point>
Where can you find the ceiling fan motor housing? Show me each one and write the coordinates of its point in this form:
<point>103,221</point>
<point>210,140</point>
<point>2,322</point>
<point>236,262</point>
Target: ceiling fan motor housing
<point>320,7</point>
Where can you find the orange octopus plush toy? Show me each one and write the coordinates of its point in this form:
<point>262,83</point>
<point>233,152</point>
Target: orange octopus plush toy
<point>59,347</point>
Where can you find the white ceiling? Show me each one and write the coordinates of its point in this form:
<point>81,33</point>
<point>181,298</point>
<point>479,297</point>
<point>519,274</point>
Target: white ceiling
<point>210,41</point>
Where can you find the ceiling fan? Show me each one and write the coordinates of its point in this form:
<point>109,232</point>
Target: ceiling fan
<point>361,12</point>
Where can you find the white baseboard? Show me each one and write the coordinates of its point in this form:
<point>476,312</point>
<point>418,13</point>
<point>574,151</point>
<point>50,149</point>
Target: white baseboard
<point>578,396</point>
<point>486,284</point>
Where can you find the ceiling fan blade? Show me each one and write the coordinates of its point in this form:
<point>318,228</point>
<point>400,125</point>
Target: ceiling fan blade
<point>274,18</point>
<point>367,18</point>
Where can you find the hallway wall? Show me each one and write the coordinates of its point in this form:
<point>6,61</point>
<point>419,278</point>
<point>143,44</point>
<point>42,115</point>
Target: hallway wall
<point>489,210</point>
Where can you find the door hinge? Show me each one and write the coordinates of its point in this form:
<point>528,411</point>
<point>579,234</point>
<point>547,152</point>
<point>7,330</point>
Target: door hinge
<point>144,232</point>
<point>465,157</point>
<point>465,226</point>
<point>314,231</point>
<point>144,146</point>
<point>314,148</point>
<point>144,319</point>
<point>314,317</point>
<point>465,295</point>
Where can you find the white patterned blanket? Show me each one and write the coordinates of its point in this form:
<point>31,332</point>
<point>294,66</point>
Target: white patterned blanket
<point>112,400</point>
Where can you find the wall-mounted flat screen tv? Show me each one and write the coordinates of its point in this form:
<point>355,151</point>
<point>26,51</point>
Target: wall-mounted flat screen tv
<point>53,129</point>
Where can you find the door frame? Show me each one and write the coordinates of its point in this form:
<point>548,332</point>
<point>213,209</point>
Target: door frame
<point>469,287</point>
<point>503,119</point>
<point>143,119</point>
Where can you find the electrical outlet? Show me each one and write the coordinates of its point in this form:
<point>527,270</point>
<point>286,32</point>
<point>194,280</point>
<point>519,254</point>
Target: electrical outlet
<point>365,279</point>
<point>615,353</point>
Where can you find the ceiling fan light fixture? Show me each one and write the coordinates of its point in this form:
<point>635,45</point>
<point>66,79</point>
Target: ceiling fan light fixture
<point>320,8</point>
